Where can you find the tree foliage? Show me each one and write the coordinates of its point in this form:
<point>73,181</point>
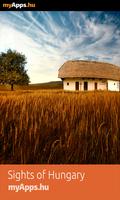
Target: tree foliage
<point>12,68</point>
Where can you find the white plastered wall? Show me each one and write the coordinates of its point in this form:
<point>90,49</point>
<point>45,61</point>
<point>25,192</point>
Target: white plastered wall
<point>71,85</point>
<point>101,85</point>
<point>113,85</point>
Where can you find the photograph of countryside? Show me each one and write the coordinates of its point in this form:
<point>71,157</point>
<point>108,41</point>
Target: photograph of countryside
<point>60,87</point>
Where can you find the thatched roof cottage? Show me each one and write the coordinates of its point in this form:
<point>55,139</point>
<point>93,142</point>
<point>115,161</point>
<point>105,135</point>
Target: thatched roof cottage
<point>89,75</point>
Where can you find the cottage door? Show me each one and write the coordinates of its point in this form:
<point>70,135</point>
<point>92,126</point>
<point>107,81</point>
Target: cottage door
<point>95,86</point>
<point>85,85</point>
<point>76,85</point>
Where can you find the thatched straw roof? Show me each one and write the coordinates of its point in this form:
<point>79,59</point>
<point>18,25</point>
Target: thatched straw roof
<point>89,69</point>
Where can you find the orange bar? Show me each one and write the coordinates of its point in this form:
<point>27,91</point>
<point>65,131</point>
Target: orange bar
<point>86,182</point>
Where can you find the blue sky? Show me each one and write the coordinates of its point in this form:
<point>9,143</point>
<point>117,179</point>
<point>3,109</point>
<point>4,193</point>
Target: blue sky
<point>48,39</point>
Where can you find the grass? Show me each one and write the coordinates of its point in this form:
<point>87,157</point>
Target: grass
<point>37,86</point>
<point>56,127</point>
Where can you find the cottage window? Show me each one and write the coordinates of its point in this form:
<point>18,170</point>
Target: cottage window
<point>67,83</point>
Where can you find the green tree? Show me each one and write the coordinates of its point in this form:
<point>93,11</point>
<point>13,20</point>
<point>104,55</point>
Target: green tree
<point>12,68</point>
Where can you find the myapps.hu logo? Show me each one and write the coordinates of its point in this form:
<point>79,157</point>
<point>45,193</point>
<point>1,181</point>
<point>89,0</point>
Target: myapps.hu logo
<point>19,5</point>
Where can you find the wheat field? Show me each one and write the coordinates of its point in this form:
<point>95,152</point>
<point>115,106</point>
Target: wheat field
<point>57,127</point>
